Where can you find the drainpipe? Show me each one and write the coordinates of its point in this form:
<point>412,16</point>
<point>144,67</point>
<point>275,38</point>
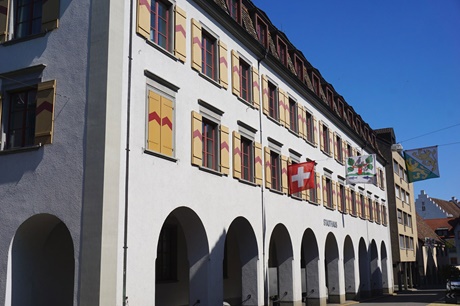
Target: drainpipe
<point>261,106</point>
<point>128,114</point>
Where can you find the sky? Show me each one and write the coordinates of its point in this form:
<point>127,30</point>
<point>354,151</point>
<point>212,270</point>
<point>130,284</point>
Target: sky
<point>396,62</point>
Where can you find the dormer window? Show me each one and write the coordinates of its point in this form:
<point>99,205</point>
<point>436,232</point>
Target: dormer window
<point>330,99</point>
<point>234,9</point>
<point>298,65</point>
<point>340,107</point>
<point>315,83</point>
<point>349,117</point>
<point>262,30</point>
<point>282,51</point>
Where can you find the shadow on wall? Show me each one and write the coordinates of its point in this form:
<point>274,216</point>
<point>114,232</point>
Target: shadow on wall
<point>13,165</point>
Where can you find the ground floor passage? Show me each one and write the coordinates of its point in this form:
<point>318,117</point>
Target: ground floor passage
<point>41,266</point>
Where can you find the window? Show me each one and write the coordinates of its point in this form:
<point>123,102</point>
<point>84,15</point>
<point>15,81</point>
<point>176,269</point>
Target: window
<point>275,167</point>
<point>349,150</point>
<point>399,213</point>
<point>28,18</point>
<point>384,215</point>
<point>282,51</point>
<point>382,179</point>
<point>28,113</point>
<point>409,221</point>
<point>208,56</point>
<point>338,149</point>
<point>298,65</point>
<point>379,215</point>
<point>247,159</point>
<point>363,205</point>
<point>340,107</point>
<point>395,167</point>
<point>371,209</point>
<point>160,23</point>
<point>166,263</point>
<point>354,210</point>
<point>342,198</point>
<point>210,144</point>
<point>315,83</point>
<point>325,146</point>
<point>398,191</point>
<point>310,127</point>
<point>234,9</point>
<point>293,120</point>
<point>262,31</point>
<point>314,192</point>
<point>273,103</point>
<point>402,242</point>
<point>330,201</point>
<point>330,99</point>
<point>405,219</point>
<point>245,81</point>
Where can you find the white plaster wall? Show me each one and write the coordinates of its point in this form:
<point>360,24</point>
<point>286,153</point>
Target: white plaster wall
<point>432,210</point>
<point>49,180</point>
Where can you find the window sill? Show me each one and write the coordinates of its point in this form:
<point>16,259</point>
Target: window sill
<point>161,49</point>
<point>212,81</point>
<point>19,150</point>
<point>296,198</point>
<point>311,143</point>
<point>212,171</point>
<point>274,120</point>
<point>22,39</point>
<point>296,133</point>
<point>314,203</point>
<point>330,208</point>
<point>276,191</point>
<point>173,159</point>
<point>243,181</point>
<point>251,105</point>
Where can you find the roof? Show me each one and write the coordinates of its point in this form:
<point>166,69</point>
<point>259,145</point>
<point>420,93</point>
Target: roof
<point>442,223</point>
<point>424,230</point>
<point>448,206</point>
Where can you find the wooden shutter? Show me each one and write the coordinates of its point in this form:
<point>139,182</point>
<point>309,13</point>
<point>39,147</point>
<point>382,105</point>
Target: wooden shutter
<point>339,198</point>
<point>143,18</point>
<point>268,170</point>
<point>344,150</point>
<point>196,45</point>
<point>50,15</point>
<point>265,97</point>
<point>287,111</point>
<point>324,191</point>
<point>301,120</point>
<point>336,146</point>
<point>235,73</point>
<point>358,204</point>
<point>44,112</point>
<point>367,208</point>
<point>315,130</point>
<point>378,177</point>
<point>318,187</point>
<point>197,139</point>
<point>224,150</point>
<point>167,113</point>
<point>236,155</point>
<point>180,39</point>
<point>321,138</point>
<point>355,152</point>
<point>334,194</point>
<point>284,174</point>
<point>281,106</point>
<point>154,122</point>
<point>347,200</point>
<point>4,11</point>
<point>223,64</point>
<point>255,88</point>
<point>258,163</point>
<point>331,142</point>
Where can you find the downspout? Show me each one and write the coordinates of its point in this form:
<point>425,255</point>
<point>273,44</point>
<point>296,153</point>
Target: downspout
<point>261,106</point>
<point>128,114</point>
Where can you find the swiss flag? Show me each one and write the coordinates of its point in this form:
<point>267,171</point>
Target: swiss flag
<point>301,176</point>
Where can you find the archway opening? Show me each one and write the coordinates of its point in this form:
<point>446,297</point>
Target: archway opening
<point>376,273</point>
<point>384,264</point>
<point>331,265</point>
<point>349,269</point>
<point>309,269</point>
<point>364,281</point>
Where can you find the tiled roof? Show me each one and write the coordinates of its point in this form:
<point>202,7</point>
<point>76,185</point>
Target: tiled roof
<point>424,230</point>
<point>448,223</point>
<point>448,206</point>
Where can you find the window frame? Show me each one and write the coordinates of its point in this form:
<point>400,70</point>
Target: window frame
<point>309,126</point>
<point>326,140</point>
<point>339,148</point>
<point>315,82</point>
<point>155,32</point>
<point>273,102</point>
<point>354,209</point>
<point>235,15</point>
<point>210,54</point>
<point>261,28</point>
<point>328,187</point>
<point>245,67</point>
<point>247,148</point>
<point>275,169</point>
<point>343,198</point>
<point>299,67</point>
<point>281,48</point>
<point>293,115</point>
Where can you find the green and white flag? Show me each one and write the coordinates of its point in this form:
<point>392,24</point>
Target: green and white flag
<point>361,169</point>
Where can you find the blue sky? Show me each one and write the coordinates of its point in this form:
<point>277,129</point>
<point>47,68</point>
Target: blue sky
<point>382,56</point>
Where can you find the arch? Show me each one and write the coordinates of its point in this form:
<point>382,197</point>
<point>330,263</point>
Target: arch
<point>376,273</point>
<point>240,264</point>
<point>181,264</point>
<point>364,281</point>
<point>349,268</point>
<point>331,265</point>
<point>310,268</point>
<point>384,264</point>
<point>280,265</point>
<point>42,263</point>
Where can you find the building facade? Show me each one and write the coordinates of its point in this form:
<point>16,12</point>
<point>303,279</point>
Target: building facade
<point>152,165</point>
<point>433,208</point>
<point>402,212</point>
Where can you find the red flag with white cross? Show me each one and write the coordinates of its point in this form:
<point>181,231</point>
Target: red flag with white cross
<point>301,176</point>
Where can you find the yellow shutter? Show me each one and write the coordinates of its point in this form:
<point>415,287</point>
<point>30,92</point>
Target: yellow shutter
<point>50,15</point>
<point>300,120</point>
<point>367,208</point>
<point>281,106</point>
<point>258,163</point>
<point>154,122</point>
<point>235,73</point>
<point>358,201</point>
<point>382,180</point>
<point>197,136</point>
<point>167,118</point>
<point>4,11</point>
<point>318,187</point>
<point>196,45</point>
<point>236,155</point>
<point>321,138</point>
<point>355,152</point>
<point>331,142</point>
<point>287,114</point>
<point>334,194</point>
<point>324,191</point>
<point>344,150</point>
<point>268,170</point>
<point>255,88</point>
<point>265,94</point>
<point>336,146</point>
<point>339,198</point>
<point>284,175</point>
<point>44,113</point>
<point>224,150</point>
<point>347,200</point>
<point>223,64</point>
<point>143,18</point>
<point>315,130</point>
<point>378,176</point>
<point>180,39</point>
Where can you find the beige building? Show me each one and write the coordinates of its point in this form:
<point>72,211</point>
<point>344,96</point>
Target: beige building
<point>401,211</point>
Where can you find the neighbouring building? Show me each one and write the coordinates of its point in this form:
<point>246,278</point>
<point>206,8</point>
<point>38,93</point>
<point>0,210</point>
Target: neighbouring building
<point>401,211</point>
<point>144,153</point>
<point>448,229</point>
<point>432,208</point>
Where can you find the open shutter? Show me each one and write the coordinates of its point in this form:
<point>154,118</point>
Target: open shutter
<point>300,120</point>
<point>318,187</point>
<point>339,198</point>
<point>331,142</point>
<point>4,11</point>
<point>50,15</point>
<point>287,114</point>
<point>355,152</point>
<point>334,193</point>
<point>324,191</point>
<point>196,45</point>
<point>265,94</point>
<point>224,150</point>
<point>268,170</point>
<point>284,174</point>
<point>321,136</point>
<point>235,73</point>
<point>281,106</point>
<point>336,146</point>
<point>347,200</point>
<point>44,112</point>
<point>167,112</point>
<point>255,88</point>
<point>197,138</point>
<point>315,130</point>
<point>344,150</point>
<point>378,177</point>
<point>236,155</point>
<point>223,65</point>
<point>180,39</point>
<point>143,18</point>
<point>258,163</point>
